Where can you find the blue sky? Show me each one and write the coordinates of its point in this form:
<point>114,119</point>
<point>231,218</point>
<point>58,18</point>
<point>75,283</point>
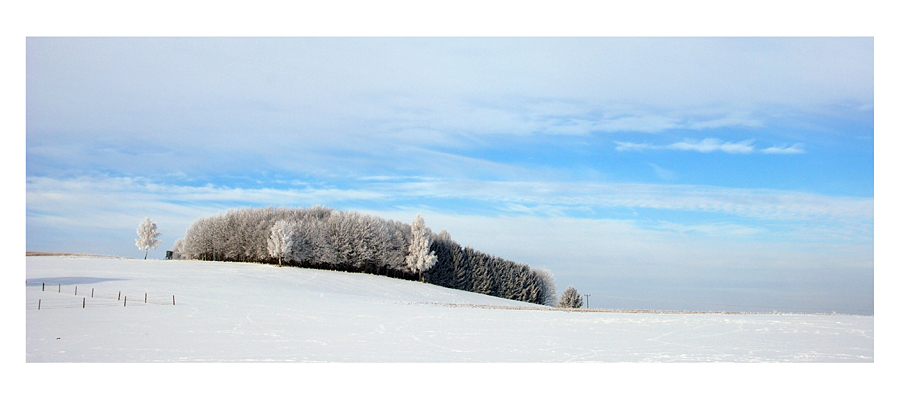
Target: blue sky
<point>670,173</point>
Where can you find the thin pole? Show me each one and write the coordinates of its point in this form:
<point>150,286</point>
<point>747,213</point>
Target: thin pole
<point>145,298</point>
<point>92,292</point>
<point>42,286</point>
<point>120,295</point>
<point>588,297</point>
<point>173,299</point>
<point>59,288</point>
<point>83,301</point>
<point>126,302</point>
<point>76,290</point>
<point>39,304</point>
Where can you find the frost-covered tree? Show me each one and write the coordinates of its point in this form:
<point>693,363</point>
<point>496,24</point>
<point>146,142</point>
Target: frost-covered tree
<point>147,236</point>
<point>348,241</point>
<point>420,258</point>
<point>570,298</point>
<point>178,249</point>
<point>282,241</point>
<point>548,288</point>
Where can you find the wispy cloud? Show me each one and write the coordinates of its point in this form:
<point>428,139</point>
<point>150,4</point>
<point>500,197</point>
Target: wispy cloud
<point>785,150</point>
<point>82,198</point>
<point>708,145</point>
<point>631,146</point>
<point>755,203</point>
<point>712,145</point>
<point>712,229</point>
<point>665,174</point>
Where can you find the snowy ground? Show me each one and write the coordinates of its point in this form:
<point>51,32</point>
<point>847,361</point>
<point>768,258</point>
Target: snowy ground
<point>236,312</point>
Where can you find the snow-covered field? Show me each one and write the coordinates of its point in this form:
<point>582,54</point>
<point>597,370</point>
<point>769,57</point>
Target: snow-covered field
<point>238,312</point>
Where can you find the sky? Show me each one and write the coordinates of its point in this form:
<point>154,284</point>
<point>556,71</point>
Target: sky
<point>689,173</point>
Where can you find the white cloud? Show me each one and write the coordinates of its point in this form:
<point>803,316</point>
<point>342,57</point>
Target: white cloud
<point>84,198</point>
<point>755,203</point>
<point>713,229</point>
<point>631,146</point>
<point>709,145</point>
<point>712,144</point>
<point>239,89</point>
<point>785,150</point>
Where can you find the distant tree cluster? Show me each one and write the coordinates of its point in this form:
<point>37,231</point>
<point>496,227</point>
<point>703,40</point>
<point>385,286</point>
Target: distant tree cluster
<point>322,238</point>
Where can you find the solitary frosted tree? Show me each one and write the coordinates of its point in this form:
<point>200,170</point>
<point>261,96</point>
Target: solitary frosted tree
<point>420,258</point>
<point>282,239</point>
<point>147,236</point>
<point>570,298</point>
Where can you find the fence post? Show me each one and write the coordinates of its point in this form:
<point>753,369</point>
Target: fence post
<point>76,290</point>
<point>83,301</point>
<point>42,286</point>
<point>145,298</point>
<point>92,292</point>
<point>173,299</point>
<point>39,304</point>
<point>125,304</point>
<point>120,295</point>
<point>59,288</point>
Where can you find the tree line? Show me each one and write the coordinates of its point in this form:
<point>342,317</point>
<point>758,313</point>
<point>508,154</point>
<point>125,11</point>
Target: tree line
<point>322,238</point>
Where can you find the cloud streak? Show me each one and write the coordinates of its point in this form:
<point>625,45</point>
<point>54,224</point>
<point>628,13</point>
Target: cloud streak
<point>712,144</point>
<point>785,150</point>
<point>708,145</point>
<point>52,196</point>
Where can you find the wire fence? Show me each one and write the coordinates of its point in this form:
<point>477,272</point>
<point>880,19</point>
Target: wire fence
<point>57,296</point>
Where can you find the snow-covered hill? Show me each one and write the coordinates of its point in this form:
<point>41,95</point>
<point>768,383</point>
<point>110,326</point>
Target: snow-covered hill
<point>236,312</point>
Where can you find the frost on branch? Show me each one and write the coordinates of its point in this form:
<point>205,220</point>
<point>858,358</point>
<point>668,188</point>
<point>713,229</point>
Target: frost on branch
<point>420,258</point>
<point>147,236</point>
<point>548,287</point>
<point>283,241</point>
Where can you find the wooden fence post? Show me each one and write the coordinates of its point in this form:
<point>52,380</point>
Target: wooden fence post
<point>42,286</point>
<point>173,299</point>
<point>83,301</point>
<point>92,292</point>
<point>76,290</point>
<point>145,298</point>
<point>39,304</point>
<point>120,295</point>
<point>125,304</point>
<point>59,288</point>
